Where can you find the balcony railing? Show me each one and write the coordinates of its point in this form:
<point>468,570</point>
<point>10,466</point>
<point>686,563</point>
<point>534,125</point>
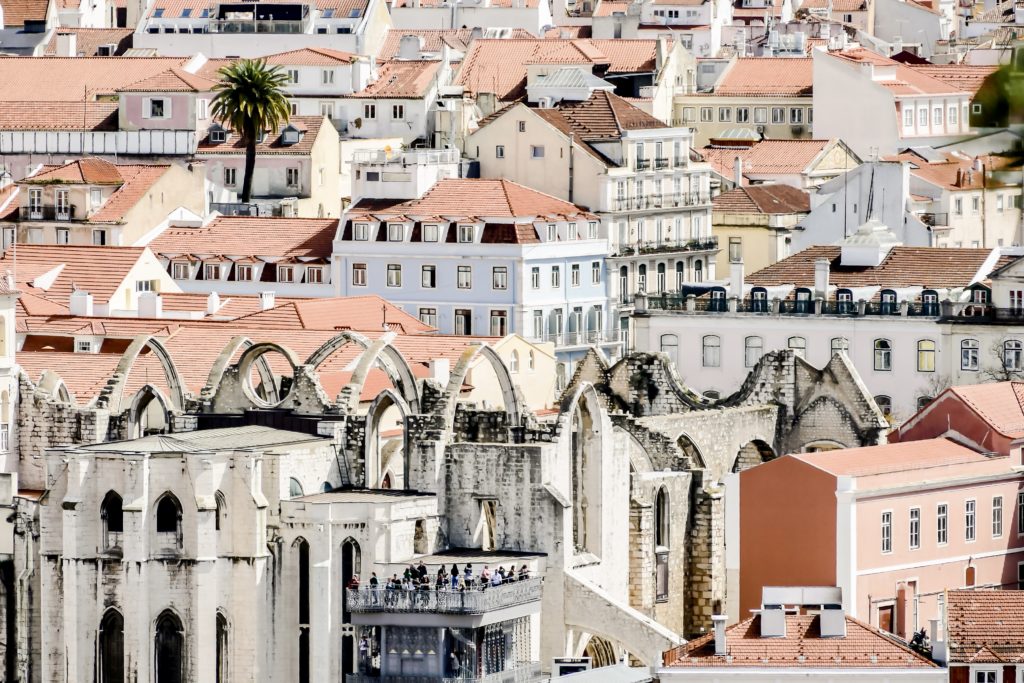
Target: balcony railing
<point>444,602</point>
<point>47,213</point>
<point>582,338</point>
<point>255,26</point>
<point>690,303</point>
<point>524,673</point>
<point>934,219</point>
<point>405,158</point>
<point>667,201</point>
<point>665,247</point>
<point>643,164</point>
<point>660,163</point>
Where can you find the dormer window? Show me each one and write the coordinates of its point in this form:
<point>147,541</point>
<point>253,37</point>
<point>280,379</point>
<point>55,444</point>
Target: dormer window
<point>179,270</point>
<point>158,12</point>
<point>361,232</point>
<point>465,233</point>
<point>218,135</point>
<point>328,13</point>
<point>290,135</point>
<point>83,346</point>
<point>285,274</point>
<point>396,232</point>
<point>186,13</point>
<point>430,233</point>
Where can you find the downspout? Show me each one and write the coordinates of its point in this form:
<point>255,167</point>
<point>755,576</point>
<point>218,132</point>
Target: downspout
<point>572,179</point>
<point>984,208</point>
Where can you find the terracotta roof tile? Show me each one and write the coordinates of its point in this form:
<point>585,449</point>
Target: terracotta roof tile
<point>985,625</point>
<point>966,77</point>
<point>863,647</point>
<point>93,171</point>
<point>438,3</point>
<point>836,5</point>
<point>765,199</point>
<point>767,77</point>
<point>402,80</point>
<point>172,80</point>
<point>767,157</point>
<point>499,66</point>
<point>568,32</point>
<point>311,56</point>
<point>53,116</point>
<point>358,313</point>
<point>601,117</point>
<point>929,267</point>
<point>1000,404</point>
<point>903,456</point>
<point>272,144</point>
<point>97,270</point>
<point>17,12</point>
<point>909,80</point>
<point>238,236</point>
<point>954,173</point>
<point>74,79</point>
<point>89,40</point>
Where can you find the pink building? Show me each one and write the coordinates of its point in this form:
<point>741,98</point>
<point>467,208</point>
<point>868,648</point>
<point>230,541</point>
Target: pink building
<point>893,526</point>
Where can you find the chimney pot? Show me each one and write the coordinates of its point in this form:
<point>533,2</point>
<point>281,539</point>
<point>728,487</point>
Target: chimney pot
<point>150,305</point>
<point>738,171</point>
<point>212,303</point>
<point>267,300</point>
<point>80,303</point>
<point>721,648</point>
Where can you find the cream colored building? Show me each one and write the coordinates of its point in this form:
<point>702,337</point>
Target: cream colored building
<point>753,224</point>
<point>531,366</point>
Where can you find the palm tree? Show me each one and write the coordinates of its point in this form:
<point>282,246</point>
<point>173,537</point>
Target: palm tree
<point>250,101</point>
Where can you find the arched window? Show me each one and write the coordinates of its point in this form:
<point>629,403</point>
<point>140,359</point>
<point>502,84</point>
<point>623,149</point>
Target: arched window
<point>661,519</point>
<point>513,363</point>
<point>531,361</point>
<point>926,356</point>
<point>680,275</point>
<point>220,522</point>
<point>844,302</point>
<point>560,377</point>
<point>1012,355</point>
<point>803,302</point>
<point>169,648</point>
<point>222,648</point>
<point>884,404</point>
<point>717,302</point>
<point>326,487</point>
<point>294,488</point>
<point>923,401</point>
<point>624,284</point>
<point>698,271</point>
<point>888,299</point>
<point>929,302</point>
<point>969,356</point>
<point>798,345</point>
<point>168,514</point>
<point>753,349</point>
<point>712,351</point>
<point>111,648</point>
<point>641,278</point>
<point>883,355</point>
<point>662,278</point>
<point>839,344</point>
<point>304,603</point>
<point>670,345</point>
<point>758,300</point>
<point>113,520</point>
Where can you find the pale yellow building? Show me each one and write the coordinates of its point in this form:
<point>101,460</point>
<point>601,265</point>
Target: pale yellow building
<point>754,224</point>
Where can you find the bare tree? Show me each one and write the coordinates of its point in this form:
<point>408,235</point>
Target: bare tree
<point>1008,355</point>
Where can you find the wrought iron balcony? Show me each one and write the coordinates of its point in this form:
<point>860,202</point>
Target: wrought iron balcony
<point>657,201</point>
<point>48,213</point>
<point>524,673</point>
<point>643,164</point>
<point>660,163</point>
<point>473,601</point>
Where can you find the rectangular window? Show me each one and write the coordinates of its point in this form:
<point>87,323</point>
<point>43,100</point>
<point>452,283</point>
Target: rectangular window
<point>158,108</point>
<point>592,230</point>
<point>430,233</point>
<point>428,277</point>
<point>742,115</point>
<point>705,114</point>
<point>243,273</point>
<point>359,274</point>
<point>327,77</point>
<point>975,204</point>
<point>499,151</point>
<point>396,232</point>
<point>293,76</point>
<point>229,177</point>
<point>465,233</point>
<point>361,232</point>
<point>465,277</point>
<point>398,112</point>
<point>937,116</point>
<point>778,115</point>
<point>595,273</point>
<point>285,274</point>
<point>724,114</point>
<point>922,117</point>
<point>292,177</point>
<point>535,277</point>
<point>63,236</point>
<point>499,277</point>
<point>997,517</point>
<point>969,532</point>
<point>394,275</point>
<point>463,321</point>
<point>908,118</point>
<point>82,346</point>
<point>952,118</point>
<point>522,126</point>
<point>942,524</point>
<point>915,528</point>
<point>314,275</point>
<point>552,232</point>
<point>538,324</point>
<point>327,109</point>
<point>369,111</point>
<point>211,271</point>
<point>556,276</point>
<point>179,271</point>
<point>985,676</point>
<point>958,206</point>
<point>499,323</point>
<point>796,115</point>
<point>760,114</point>
<point>574,274</point>
<point>536,151</point>
<point>99,238</point>
<point>428,316</point>
<point>886,532</point>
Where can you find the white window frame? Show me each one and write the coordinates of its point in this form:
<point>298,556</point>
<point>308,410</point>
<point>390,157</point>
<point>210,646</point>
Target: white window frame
<point>464,277</point>
<point>286,273</point>
<point>970,521</point>
<point>465,234</point>
<point>359,275</point>
<point>886,531</point>
<point>941,523</point>
<point>394,275</point>
<point>148,104</point>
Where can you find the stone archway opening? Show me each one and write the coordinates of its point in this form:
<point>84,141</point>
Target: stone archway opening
<point>267,374</point>
<point>753,453</point>
<point>601,652</point>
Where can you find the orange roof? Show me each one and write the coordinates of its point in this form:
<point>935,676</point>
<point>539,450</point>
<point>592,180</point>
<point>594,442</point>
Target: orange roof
<point>32,115</point>
<point>402,80</point>
<point>765,199</point>
<point>863,647</point>
<point>172,80</point>
<point>94,171</point>
<point>929,267</point>
<point>438,3</point>
<point>240,236</point>
<point>360,313</point>
<point>966,77</point>
<point>888,458</point>
<point>272,144</point>
<point>74,79</point>
<point>1000,404</point>
<point>837,5</point>
<point>909,80</point>
<point>499,65</point>
<point>767,157</point>
<point>17,12</point>
<point>97,270</point>
<point>767,77</point>
<point>609,7</point>
<point>985,625</point>
<point>311,56</point>
<point>135,180</point>
<point>954,173</point>
<point>472,197</point>
<point>88,40</point>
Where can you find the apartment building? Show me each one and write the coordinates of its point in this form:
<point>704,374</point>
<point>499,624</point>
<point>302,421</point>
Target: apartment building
<point>528,15</point>
<point>804,164</point>
<point>754,224</point>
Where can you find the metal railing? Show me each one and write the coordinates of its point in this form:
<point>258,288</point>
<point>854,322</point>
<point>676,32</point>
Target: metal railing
<point>660,163</point>
<point>256,26</point>
<point>580,338</point>
<point>473,601</point>
<point>405,158</point>
<point>692,303</point>
<point>47,213</point>
<point>643,164</point>
<point>524,673</point>
<point>668,201</point>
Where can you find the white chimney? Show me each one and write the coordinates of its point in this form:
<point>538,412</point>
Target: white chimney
<point>737,170</point>
<point>940,649</point>
<point>720,645</point>
<point>409,47</point>
<point>212,303</point>
<point>440,370</point>
<point>832,622</point>
<point>736,278</point>
<point>821,272</point>
<point>266,300</point>
<point>773,621</point>
<point>80,302</point>
<point>150,305</point>
<point>67,44</point>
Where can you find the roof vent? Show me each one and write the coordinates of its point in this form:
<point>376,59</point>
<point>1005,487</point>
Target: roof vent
<point>773,621</point>
<point>832,621</point>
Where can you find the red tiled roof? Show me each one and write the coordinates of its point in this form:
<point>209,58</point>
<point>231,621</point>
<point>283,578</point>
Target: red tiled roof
<point>909,80</point>
<point>767,157</point>
<point>97,270</point>
<point>892,457</point>
<point>134,181</point>
<point>358,313</point>
<point>434,39</point>
<point>88,40</point>
<point>767,77</point>
<point>955,173</point>
<point>47,116</point>
<point>311,56</point>
<point>238,236</point>
<point>271,144</point>
<point>568,32</point>
<point>402,80</point>
<point>17,12</point>
<point>74,79</point>
<point>438,3</point>
<point>172,80</point>
<point>766,199</point>
<point>499,66</point>
<point>837,5</point>
<point>93,171</point>
<point>863,647</point>
<point>966,77</point>
<point>985,625</point>
<point>1000,404</point>
<point>470,197</point>
<point>929,267</point>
